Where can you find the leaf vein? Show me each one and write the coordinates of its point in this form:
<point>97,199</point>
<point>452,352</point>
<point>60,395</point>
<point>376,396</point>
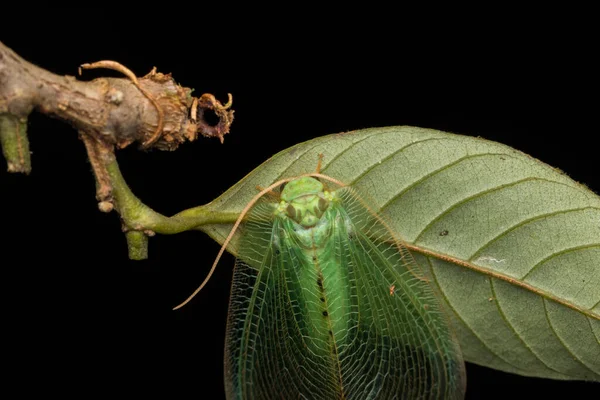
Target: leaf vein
<point>301,156</point>
<point>565,251</point>
<point>512,328</point>
<point>478,195</point>
<point>437,171</point>
<point>561,340</point>
<point>592,330</point>
<point>460,318</point>
<point>525,222</point>
<point>344,151</point>
<point>503,277</point>
<point>397,151</point>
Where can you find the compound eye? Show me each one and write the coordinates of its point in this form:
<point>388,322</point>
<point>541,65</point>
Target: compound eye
<point>322,205</point>
<point>292,212</point>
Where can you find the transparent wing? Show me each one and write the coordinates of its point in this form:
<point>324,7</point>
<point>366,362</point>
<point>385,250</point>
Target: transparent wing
<point>358,321</point>
<point>268,339</point>
<point>408,342</point>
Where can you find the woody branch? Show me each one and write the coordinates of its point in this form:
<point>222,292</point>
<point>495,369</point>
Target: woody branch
<point>108,113</point>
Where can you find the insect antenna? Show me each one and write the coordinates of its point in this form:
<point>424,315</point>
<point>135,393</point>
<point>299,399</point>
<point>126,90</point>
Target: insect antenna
<point>239,221</point>
<point>270,195</point>
<point>230,236</point>
<point>318,171</point>
<point>324,179</point>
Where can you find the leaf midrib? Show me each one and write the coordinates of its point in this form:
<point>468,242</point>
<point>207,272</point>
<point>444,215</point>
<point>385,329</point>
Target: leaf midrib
<point>506,278</point>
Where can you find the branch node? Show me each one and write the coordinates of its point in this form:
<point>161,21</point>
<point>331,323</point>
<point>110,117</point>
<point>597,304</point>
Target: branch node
<point>111,113</point>
<point>105,206</point>
<point>116,66</point>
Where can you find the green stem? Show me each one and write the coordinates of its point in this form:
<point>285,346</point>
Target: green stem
<point>137,242</point>
<point>15,145</point>
<point>137,216</point>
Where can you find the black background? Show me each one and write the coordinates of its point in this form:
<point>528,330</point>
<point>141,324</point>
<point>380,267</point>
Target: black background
<point>82,319</point>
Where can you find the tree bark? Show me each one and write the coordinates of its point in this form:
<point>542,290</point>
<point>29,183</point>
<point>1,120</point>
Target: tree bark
<point>108,113</point>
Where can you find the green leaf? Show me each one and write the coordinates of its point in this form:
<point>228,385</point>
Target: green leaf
<point>512,245</point>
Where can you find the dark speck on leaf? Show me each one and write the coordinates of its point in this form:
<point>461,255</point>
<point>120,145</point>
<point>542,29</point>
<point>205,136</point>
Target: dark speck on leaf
<point>444,233</point>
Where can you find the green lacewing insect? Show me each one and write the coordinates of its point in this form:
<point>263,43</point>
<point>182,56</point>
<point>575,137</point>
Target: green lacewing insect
<point>326,303</point>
